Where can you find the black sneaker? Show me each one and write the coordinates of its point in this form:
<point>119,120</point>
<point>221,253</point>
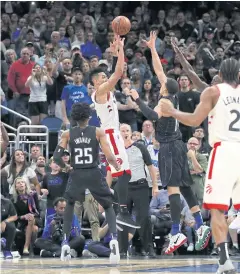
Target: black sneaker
<point>214,252</point>
<point>46,254</point>
<point>125,219</point>
<point>234,251</point>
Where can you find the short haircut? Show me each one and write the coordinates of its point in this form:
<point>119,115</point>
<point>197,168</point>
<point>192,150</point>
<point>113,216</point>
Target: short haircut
<point>81,112</point>
<point>94,73</point>
<point>93,57</point>
<point>58,200</point>
<point>229,70</point>
<point>172,86</point>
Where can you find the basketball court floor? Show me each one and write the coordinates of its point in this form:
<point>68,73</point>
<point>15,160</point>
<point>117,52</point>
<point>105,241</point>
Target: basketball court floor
<point>188,264</point>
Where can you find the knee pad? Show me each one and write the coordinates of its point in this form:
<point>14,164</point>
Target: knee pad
<point>189,196</point>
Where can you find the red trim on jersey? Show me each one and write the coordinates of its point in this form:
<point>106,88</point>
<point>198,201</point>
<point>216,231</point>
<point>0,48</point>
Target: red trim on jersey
<point>108,96</point>
<point>112,140</point>
<point>237,206</point>
<point>215,206</point>
<point>120,173</point>
<point>216,145</point>
<point>218,89</point>
<point>108,168</point>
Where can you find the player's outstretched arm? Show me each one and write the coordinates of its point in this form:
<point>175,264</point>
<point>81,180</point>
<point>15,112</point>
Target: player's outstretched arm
<point>157,65</point>
<point>198,83</point>
<point>62,145</point>
<point>106,148</point>
<point>201,112</point>
<point>118,44</point>
<point>150,114</point>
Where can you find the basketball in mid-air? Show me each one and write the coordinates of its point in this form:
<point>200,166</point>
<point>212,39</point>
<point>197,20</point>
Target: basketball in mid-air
<point>121,25</point>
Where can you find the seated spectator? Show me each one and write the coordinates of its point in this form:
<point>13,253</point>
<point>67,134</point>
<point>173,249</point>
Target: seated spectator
<point>18,167</point>
<point>27,206</point>
<point>54,185</point>
<point>50,243</point>
<point>204,147</point>
<point>35,153</point>
<point>233,232</point>
<point>198,166</point>
<point>8,229</point>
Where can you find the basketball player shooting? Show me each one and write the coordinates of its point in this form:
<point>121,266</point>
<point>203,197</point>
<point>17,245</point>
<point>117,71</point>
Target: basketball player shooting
<point>107,111</point>
<point>222,104</point>
<point>172,157</point>
<point>84,144</point>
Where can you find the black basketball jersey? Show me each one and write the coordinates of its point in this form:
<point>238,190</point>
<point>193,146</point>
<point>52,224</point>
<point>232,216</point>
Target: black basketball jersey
<point>167,128</point>
<point>84,147</point>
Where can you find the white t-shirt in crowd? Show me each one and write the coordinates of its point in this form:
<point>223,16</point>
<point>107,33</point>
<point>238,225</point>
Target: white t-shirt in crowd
<point>38,90</point>
<point>28,174</point>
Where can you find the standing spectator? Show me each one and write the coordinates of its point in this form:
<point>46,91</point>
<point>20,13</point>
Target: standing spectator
<point>80,38</point>
<point>4,139</point>
<point>8,229</point>
<point>38,105</point>
<point>185,29</point>
<point>18,167</point>
<point>148,95</point>
<point>147,131</point>
<point>37,28</point>
<point>61,80</point>
<point>17,77</point>
<point>45,36</point>
<point>74,93</point>
<point>94,61</point>
<point>48,54</point>
<point>204,147</point>
<point>90,47</point>
<point>188,100</point>
<point>64,41</point>
<point>27,207</point>
<point>126,107</point>
<point>10,58</point>
<point>40,168</point>
<point>70,33</point>
<point>198,166</point>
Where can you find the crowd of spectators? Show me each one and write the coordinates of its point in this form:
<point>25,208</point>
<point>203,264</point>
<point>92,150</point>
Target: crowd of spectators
<point>47,52</point>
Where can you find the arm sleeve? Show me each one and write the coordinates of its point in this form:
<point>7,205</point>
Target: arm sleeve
<point>146,156</point>
<point>147,111</point>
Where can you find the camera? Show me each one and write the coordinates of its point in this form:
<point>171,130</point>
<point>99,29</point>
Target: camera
<point>57,231</point>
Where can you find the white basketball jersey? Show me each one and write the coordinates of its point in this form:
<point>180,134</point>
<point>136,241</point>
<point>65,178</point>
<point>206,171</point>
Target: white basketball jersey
<point>107,113</point>
<point>224,119</point>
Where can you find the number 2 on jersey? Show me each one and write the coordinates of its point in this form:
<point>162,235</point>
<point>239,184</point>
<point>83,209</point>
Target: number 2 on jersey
<point>237,119</point>
<point>81,153</point>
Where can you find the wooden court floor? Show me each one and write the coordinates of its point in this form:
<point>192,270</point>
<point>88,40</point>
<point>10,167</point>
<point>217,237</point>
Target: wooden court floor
<point>190,265</point>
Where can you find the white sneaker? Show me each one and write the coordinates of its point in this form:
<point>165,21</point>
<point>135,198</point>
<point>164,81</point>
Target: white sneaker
<point>175,242</point>
<point>114,255</point>
<point>73,253</point>
<point>190,247</point>
<point>65,253</point>
<point>227,268</point>
<point>236,222</point>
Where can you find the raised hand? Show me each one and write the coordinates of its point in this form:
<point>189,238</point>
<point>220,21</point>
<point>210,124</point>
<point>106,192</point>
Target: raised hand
<point>152,40</point>
<point>121,42</point>
<point>174,44</point>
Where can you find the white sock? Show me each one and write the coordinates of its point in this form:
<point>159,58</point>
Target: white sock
<point>236,245</point>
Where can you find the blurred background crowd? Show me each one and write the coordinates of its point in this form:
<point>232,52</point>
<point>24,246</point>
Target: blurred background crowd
<point>47,52</point>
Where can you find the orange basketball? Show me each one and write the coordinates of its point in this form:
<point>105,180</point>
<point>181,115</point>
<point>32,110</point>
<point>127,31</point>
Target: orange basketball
<point>121,25</point>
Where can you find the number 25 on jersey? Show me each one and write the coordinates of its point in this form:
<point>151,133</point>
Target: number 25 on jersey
<point>83,156</point>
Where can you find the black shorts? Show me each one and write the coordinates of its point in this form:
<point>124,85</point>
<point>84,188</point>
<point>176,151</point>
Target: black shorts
<point>37,108</point>
<point>92,179</point>
<point>173,164</point>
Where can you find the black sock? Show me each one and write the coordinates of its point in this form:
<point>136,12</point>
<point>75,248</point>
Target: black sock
<point>175,209</point>
<point>67,219</point>
<point>223,252</point>
<point>122,188</point>
<point>111,219</point>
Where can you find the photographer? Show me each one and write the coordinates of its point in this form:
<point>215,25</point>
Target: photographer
<point>50,243</point>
